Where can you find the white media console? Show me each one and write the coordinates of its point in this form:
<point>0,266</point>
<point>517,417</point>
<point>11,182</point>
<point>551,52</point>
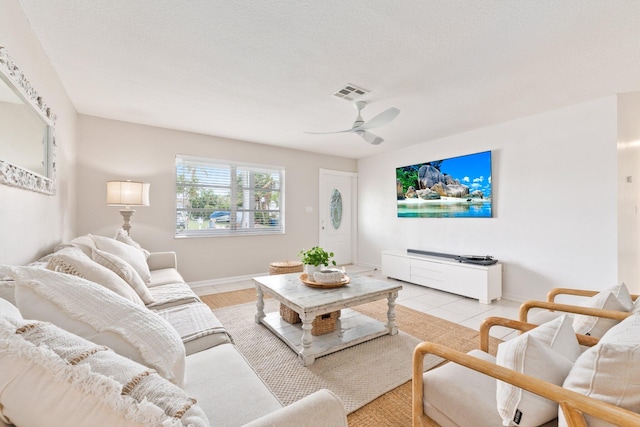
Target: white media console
<point>481,282</point>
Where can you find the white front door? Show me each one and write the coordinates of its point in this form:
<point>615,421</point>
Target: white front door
<point>338,194</point>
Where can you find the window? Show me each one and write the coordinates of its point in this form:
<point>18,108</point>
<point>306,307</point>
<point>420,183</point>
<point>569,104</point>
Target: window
<point>221,198</point>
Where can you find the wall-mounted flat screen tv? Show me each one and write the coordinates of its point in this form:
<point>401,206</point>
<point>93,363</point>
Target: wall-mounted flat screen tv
<point>457,187</point>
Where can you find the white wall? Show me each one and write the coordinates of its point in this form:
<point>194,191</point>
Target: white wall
<point>554,196</point>
<point>32,223</point>
<point>111,149</point>
<point>628,189</point>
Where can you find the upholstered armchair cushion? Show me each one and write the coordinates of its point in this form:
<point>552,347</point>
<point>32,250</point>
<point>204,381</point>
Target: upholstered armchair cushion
<point>445,387</point>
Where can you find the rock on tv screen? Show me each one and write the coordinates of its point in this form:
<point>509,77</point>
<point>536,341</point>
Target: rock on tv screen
<point>457,187</point>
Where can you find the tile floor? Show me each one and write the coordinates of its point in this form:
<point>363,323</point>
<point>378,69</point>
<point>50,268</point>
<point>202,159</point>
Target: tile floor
<point>454,308</point>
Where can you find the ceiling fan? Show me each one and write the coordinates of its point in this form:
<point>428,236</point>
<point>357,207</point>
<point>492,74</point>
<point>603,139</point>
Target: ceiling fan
<point>360,127</point>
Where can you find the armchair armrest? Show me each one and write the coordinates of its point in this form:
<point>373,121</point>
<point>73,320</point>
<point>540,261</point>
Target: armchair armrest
<point>321,405</point>
<point>573,404</point>
<point>158,260</point>
<point>567,308</point>
<point>489,322</point>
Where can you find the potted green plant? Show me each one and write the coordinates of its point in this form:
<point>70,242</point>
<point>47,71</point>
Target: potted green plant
<point>315,258</point>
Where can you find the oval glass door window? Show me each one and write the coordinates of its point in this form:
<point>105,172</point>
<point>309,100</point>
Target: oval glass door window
<point>336,208</point>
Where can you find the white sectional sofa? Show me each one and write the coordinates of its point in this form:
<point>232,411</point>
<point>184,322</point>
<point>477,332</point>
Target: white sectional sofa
<point>148,316</point>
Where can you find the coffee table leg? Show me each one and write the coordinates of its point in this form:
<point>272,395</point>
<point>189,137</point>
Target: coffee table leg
<point>307,339</point>
<point>391,313</point>
<point>260,305</point>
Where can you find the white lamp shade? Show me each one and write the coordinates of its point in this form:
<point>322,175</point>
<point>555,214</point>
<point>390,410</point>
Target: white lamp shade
<point>128,193</point>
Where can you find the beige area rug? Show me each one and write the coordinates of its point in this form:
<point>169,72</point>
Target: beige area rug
<point>358,374</point>
<point>392,408</point>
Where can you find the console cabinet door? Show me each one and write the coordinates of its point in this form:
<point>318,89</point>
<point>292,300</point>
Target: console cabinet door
<point>396,267</point>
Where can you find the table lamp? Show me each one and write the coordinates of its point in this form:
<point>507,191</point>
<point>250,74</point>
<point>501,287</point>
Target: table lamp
<point>127,193</point>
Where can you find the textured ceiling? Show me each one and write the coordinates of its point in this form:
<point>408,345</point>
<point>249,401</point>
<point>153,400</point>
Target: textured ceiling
<point>265,71</point>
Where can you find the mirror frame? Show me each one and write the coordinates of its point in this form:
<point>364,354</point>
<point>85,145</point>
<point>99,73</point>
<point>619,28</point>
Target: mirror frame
<point>15,175</point>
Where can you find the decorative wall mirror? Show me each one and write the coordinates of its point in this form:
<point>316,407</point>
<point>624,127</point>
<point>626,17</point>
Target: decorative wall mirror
<point>27,136</point>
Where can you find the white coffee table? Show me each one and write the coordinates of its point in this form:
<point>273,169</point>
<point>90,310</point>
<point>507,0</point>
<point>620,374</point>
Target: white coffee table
<point>352,327</point>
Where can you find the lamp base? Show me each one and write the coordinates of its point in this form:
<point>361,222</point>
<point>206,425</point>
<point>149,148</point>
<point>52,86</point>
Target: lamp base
<point>126,215</point>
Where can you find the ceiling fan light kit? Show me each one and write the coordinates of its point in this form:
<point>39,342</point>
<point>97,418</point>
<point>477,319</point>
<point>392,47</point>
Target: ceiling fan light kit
<point>360,127</point>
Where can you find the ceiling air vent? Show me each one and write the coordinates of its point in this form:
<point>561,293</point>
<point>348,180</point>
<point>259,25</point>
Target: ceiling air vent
<point>350,92</point>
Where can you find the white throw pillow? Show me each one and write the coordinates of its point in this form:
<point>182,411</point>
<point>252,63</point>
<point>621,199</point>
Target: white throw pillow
<point>597,326</point>
<point>124,270</point>
<point>123,236</point>
<point>610,370</point>
<point>94,313</point>
<point>49,376</point>
<point>622,293</point>
<point>72,260</point>
<point>128,253</point>
<point>85,243</point>
<point>546,352</point>
<point>9,310</point>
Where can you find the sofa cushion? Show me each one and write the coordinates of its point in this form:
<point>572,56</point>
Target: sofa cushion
<point>49,376</point>
<point>123,236</point>
<point>227,388</point>
<point>165,296</point>
<point>597,326</point>
<point>128,253</point>
<point>164,276</point>
<point>609,371</point>
<point>160,260</point>
<point>450,384</point>
<point>72,260</point>
<point>321,405</point>
<point>196,324</point>
<point>546,352</point>
<point>124,270</point>
<point>95,313</point>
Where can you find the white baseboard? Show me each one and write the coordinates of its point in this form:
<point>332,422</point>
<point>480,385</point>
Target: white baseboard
<point>225,280</point>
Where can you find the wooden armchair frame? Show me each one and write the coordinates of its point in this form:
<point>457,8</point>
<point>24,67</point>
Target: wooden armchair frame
<point>551,305</point>
<point>551,295</point>
<point>574,405</point>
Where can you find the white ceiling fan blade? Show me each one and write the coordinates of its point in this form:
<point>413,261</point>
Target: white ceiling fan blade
<point>371,138</point>
<point>381,119</point>
<point>326,133</point>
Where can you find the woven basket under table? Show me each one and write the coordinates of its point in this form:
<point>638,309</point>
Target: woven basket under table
<point>285,267</point>
<point>322,324</point>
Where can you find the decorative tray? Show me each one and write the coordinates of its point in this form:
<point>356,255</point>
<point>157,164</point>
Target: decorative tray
<point>305,279</point>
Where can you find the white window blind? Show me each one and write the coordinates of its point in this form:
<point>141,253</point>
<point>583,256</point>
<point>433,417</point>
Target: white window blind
<point>222,198</point>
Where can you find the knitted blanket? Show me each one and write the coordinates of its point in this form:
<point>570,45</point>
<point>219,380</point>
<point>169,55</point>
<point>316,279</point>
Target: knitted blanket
<point>156,340</point>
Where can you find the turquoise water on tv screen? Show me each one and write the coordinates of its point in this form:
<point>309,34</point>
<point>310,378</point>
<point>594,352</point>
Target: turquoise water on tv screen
<point>433,209</point>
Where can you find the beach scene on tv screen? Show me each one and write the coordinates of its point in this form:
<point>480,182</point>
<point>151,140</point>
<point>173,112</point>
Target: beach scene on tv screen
<point>457,187</point>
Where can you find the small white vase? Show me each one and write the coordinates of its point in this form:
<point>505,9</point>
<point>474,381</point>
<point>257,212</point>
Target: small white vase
<point>310,269</point>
